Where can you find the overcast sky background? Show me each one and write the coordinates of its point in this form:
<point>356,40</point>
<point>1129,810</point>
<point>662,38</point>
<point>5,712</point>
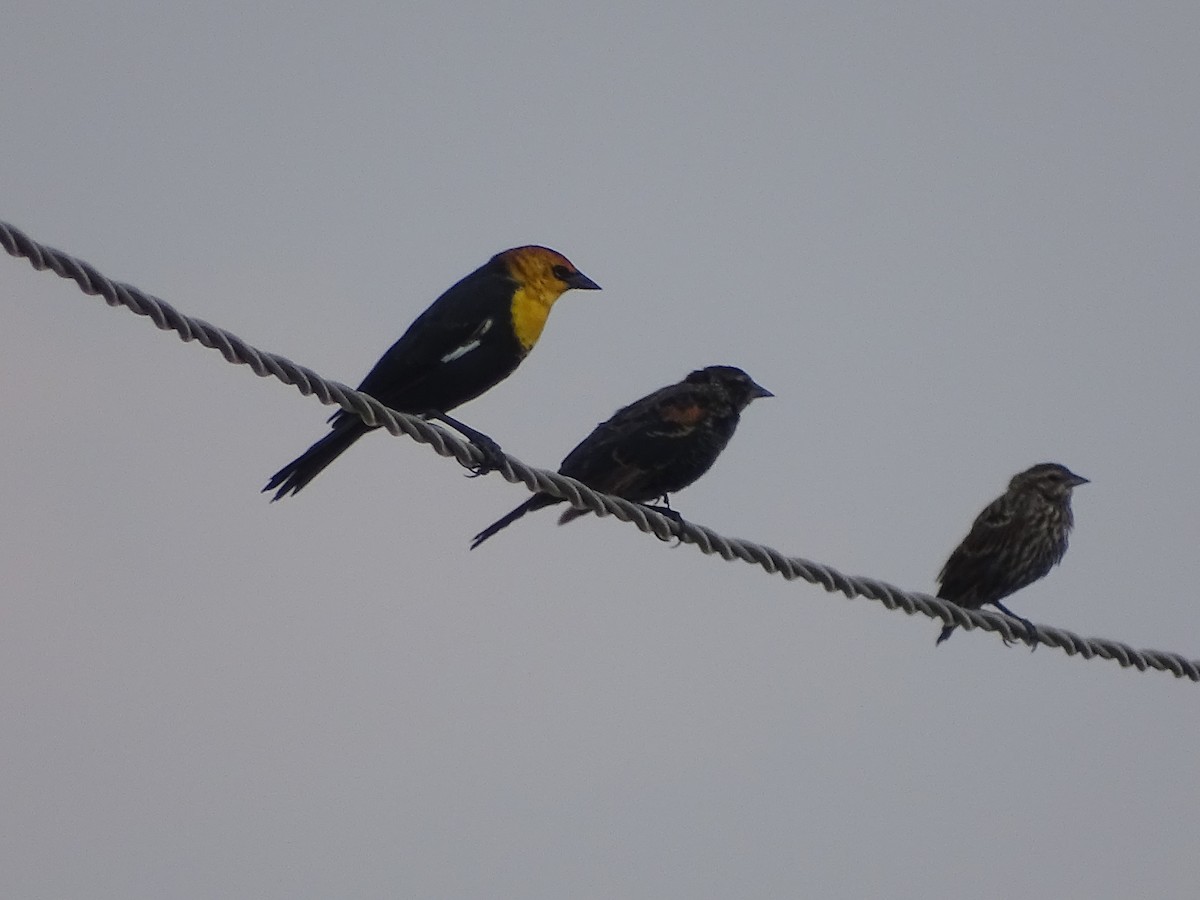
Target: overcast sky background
<point>954,239</point>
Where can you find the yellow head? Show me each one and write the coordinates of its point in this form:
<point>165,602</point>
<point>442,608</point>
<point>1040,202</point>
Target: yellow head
<point>542,276</point>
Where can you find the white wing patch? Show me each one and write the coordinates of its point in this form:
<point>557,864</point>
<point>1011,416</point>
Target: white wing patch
<point>472,342</point>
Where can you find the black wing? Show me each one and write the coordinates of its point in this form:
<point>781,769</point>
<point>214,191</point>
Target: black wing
<point>406,377</point>
<point>479,302</point>
<point>977,569</point>
<point>654,446</point>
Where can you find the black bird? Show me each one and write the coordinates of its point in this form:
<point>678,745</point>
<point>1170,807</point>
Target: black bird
<point>655,446</point>
<point>471,338</point>
<point>1018,538</point>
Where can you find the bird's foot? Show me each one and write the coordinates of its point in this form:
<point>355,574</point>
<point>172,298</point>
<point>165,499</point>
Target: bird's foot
<point>1031,634</point>
<point>663,511</point>
<point>668,513</point>
<point>493,456</point>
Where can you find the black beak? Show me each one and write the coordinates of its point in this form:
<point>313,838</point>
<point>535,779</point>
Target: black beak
<point>1077,480</point>
<point>581,282</point>
<point>757,390</point>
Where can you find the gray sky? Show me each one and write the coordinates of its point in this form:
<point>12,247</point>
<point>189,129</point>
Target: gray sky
<point>954,240</point>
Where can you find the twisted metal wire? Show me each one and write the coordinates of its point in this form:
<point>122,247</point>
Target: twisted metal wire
<point>709,542</point>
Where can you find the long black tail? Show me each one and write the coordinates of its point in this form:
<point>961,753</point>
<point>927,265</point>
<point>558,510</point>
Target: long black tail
<point>309,464</point>
<point>537,501</point>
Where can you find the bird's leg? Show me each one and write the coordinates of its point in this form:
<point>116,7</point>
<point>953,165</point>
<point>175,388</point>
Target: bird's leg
<point>665,509</point>
<point>1030,628</point>
<point>493,456</point>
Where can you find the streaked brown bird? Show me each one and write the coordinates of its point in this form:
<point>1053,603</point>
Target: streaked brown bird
<point>1017,539</point>
<point>471,338</point>
<point>655,446</point>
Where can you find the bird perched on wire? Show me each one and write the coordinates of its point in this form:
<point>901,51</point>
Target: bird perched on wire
<point>472,337</point>
<point>1017,539</point>
<point>655,446</point>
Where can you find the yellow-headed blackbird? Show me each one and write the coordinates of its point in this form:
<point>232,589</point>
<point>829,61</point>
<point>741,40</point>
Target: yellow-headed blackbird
<point>472,337</point>
<point>1018,538</point>
<point>655,446</point>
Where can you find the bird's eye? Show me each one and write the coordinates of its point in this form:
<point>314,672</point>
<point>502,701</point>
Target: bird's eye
<point>562,273</point>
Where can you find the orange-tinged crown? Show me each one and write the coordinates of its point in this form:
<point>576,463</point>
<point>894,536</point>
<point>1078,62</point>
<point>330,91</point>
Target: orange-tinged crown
<point>544,273</point>
<point>542,276</point>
